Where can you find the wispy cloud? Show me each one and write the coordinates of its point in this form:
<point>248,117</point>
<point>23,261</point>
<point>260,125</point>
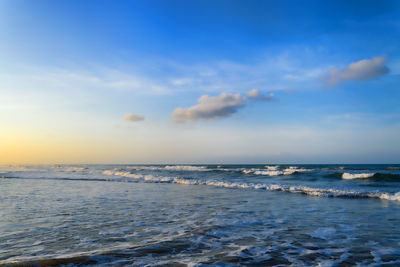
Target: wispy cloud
<point>133,117</point>
<point>216,107</point>
<point>159,76</point>
<point>365,69</point>
<point>33,78</point>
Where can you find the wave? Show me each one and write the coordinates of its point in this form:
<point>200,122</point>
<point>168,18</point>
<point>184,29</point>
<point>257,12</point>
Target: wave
<point>393,168</point>
<point>306,190</point>
<point>386,177</point>
<point>170,168</point>
<point>377,176</point>
<point>336,168</point>
<point>145,178</point>
<point>69,169</point>
<point>127,254</point>
<point>274,172</point>
<point>111,176</point>
<point>272,168</point>
<point>350,176</point>
<point>185,168</point>
<point>72,261</point>
<point>191,168</point>
<point>266,170</point>
<point>20,168</point>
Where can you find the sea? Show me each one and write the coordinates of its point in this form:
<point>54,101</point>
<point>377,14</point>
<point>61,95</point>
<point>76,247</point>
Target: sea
<point>200,215</point>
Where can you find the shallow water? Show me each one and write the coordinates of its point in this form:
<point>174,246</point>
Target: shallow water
<point>200,215</point>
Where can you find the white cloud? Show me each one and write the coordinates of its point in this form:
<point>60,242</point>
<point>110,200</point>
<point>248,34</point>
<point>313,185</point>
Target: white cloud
<point>133,117</point>
<point>209,108</point>
<point>361,70</point>
<point>255,94</point>
<point>216,107</point>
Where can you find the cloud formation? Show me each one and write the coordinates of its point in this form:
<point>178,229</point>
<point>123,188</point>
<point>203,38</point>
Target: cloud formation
<point>209,108</point>
<point>216,107</point>
<point>133,117</point>
<point>255,94</point>
<point>361,70</point>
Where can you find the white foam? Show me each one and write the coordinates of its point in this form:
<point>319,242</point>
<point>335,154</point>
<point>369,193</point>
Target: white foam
<point>393,197</point>
<point>170,168</point>
<point>297,169</point>
<point>245,171</point>
<point>123,174</point>
<point>263,172</point>
<point>274,172</point>
<point>271,168</point>
<point>151,178</point>
<point>269,173</point>
<point>311,191</point>
<point>185,168</point>
<point>350,176</point>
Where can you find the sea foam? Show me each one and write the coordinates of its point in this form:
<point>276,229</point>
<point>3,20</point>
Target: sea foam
<point>170,168</point>
<point>349,176</point>
<point>300,189</point>
<point>273,171</point>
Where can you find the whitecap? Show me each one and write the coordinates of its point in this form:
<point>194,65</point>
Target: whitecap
<point>311,191</point>
<point>185,168</point>
<point>275,172</point>
<point>388,196</point>
<point>350,176</point>
<point>170,168</point>
<point>271,168</point>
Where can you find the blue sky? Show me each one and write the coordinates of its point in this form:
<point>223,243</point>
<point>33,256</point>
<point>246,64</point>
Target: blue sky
<point>119,81</point>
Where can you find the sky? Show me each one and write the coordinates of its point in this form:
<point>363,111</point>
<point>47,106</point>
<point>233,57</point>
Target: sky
<point>195,82</point>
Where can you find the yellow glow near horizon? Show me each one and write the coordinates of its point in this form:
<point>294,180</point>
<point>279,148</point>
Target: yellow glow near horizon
<point>41,149</point>
<point>171,144</point>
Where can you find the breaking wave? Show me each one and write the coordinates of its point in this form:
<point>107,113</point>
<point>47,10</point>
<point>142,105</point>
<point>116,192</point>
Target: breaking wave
<point>306,190</point>
<point>337,168</point>
<point>170,168</point>
<point>273,171</point>
<point>272,168</point>
<point>376,176</point>
<point>349,176</point>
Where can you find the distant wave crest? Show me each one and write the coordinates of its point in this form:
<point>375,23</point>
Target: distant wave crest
<point>311,191</point>
<point>170,168</point>
<point>372,176</point>
<point>349,176</point>
<point>273,171</point>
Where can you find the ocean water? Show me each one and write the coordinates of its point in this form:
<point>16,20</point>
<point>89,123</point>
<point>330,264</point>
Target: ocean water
<point>189,215</point>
